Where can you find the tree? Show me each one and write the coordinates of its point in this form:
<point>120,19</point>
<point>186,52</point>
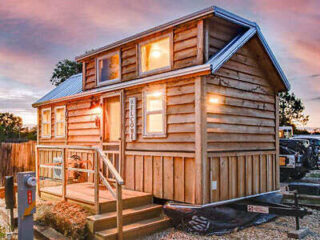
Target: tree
<point>10,126</point>
<point>291,111</point>
<point>63,70</point>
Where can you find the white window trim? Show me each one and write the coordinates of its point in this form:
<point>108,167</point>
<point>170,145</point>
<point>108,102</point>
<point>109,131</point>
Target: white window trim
<point>140,45</point>
<point>55,122</point>
<point>49,122</point>
<point>107,82</point>
<point>147,90</point>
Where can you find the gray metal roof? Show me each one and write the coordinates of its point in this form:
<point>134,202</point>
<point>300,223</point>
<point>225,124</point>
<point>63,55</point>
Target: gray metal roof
<point>71,86</point>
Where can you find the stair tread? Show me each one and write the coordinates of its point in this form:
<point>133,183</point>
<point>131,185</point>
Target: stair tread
<point>134,226</point>
<point>128,211</point>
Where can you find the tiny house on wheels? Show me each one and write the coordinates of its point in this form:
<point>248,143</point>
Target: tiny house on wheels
<point>186,111</point>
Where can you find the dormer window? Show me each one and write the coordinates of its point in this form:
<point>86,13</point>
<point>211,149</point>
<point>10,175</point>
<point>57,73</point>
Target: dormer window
<point>108,68</point>
<point>155,55</point>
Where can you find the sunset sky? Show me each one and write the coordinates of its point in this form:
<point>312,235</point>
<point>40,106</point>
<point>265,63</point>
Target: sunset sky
<point>36,34</point>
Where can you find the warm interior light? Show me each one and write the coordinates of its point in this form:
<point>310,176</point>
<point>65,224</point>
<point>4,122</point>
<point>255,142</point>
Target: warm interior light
<point>155,53</point>
<point>156,94</point>
<point>214,100</point>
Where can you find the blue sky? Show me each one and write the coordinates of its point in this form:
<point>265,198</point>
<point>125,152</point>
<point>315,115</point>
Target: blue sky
<point>36,34</point>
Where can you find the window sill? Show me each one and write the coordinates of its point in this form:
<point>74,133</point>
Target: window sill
<point>162,135</point>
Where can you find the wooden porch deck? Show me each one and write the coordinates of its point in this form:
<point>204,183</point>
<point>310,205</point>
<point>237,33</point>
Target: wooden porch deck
<point>84,192</point>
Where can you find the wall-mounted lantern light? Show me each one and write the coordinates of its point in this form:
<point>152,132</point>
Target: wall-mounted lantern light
<point>214,100</point>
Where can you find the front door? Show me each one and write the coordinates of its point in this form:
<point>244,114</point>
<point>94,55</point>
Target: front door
<point>112,132</point>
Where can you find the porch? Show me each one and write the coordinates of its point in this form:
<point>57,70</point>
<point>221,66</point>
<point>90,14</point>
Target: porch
<point>84,194</point>
<point>90,177</point>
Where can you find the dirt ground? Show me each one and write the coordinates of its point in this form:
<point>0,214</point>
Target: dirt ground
<point>277,229</point>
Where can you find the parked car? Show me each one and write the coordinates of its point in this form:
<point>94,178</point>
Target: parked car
<point>303,148</point>
<point>291,164</point>
<point>315,145</point>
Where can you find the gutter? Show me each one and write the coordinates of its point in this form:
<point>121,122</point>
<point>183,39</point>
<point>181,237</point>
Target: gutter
<point>204,69</point>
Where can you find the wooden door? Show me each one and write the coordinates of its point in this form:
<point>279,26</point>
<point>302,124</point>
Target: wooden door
<point>112,132</point>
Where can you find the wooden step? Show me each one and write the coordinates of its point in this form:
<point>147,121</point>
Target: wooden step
<point>137,229</point>
<point>127,203</point>
<point>109,220</point>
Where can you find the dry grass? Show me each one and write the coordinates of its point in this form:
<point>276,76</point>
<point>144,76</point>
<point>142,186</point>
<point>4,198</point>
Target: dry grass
<point>67,218</point>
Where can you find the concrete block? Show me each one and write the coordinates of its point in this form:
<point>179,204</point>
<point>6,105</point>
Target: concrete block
<point>298,234</point>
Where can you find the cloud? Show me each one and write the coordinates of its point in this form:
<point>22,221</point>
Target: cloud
<point>36,34</point>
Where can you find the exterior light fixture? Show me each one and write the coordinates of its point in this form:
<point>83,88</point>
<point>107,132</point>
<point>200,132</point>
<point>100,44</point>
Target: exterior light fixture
<point>214,100</point>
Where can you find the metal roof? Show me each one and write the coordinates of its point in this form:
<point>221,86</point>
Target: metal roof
<point>71,86</point>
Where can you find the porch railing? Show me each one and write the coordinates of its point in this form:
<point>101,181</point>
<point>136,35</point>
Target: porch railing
<point>99,156</point>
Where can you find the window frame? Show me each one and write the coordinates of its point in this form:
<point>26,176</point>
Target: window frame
<point>155,39</point>
<point>49,122</point>
<point>55,121</point>
<point>145,113</point>
<point>108,81</point>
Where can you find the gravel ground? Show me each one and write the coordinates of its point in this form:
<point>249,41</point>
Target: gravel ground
<point>276,229</point>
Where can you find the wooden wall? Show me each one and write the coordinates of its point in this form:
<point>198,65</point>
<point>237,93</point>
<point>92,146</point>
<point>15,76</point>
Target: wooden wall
<point>242,174</point>
<point>16,157</point>
<point>220,33</point>
<point>187,50</point>
<point>245,117</point>
<point>180,119</point>
<point>81,125</point>
<point>168,176</point>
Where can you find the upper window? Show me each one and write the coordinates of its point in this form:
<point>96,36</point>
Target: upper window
<point>108,70</point>
<point>155,55</point>
<point>59,123</point>
<point>154,112</point>
<point>46,123</point>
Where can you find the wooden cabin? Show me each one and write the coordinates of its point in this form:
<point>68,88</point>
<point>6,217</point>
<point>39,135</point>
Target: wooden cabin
<point>186,111</point>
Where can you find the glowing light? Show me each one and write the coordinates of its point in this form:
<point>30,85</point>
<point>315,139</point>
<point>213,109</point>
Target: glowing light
<point>155,53</point>
<point>156,94</point>
<point>97,110</point>
<point>214,100</point>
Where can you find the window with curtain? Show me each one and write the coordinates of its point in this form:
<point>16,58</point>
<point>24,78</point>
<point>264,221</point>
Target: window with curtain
<point>108,68</point>
<point>155,55</point>
<point>60,121</point>
<point>46,123</point>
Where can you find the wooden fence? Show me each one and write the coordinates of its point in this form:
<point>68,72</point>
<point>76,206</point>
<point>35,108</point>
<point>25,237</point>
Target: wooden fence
<point>16,157</point>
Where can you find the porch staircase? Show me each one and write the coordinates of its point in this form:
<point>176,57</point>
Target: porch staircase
<point>140,217</point>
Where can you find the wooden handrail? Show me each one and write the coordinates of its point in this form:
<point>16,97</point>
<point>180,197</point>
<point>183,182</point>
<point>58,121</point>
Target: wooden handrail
<point>112,169</point>
<point>97,175</point>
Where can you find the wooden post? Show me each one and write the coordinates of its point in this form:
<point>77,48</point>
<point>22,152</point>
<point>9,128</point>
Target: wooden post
<point>277,172</point>
<point>38,171</point>
<point>96,183</point>
<point>63,166</point>
<point>202,177</point>
<point>119,212</point>
<point>200,44</point>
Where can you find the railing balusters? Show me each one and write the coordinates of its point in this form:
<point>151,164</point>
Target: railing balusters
<point>96,183</point>
<point>63,179</point>
<point>106,167</point>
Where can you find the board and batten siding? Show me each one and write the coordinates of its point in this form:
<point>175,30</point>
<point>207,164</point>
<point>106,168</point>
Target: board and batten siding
<point>164,166</point>
<point>241,129</point>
